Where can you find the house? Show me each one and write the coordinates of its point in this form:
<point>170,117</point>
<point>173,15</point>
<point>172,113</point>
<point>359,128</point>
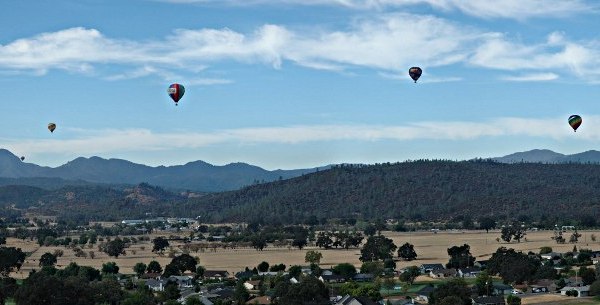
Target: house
<point>334,278</point>
<point>252,285</point>
<point>293,280</point>
<point>156,285</point>
<point>271,273</point>
<point>501,289</point>
<point>426,268</point>
<point>264,300</point>
<point>551,256</point>
<point>423,294</point>
<point>326,272</point>
<point>549,284</point>
<point>191,294</point>
<point>183,281</point>
<point>491,300</point>
<point>215,274</point>
<point>363,277</point>
<point>539,289</point>
<point>442,273</point>
<point>582,291</point>
<point>154,275</point>
<point>469,272</point>
<point>350,300</point>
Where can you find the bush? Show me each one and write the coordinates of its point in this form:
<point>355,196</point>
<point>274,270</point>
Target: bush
<point>595,288</point>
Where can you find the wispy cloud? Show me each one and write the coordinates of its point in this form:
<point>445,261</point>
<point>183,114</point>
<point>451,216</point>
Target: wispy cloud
<point>509,9</point>
<point>112,141</point>
<point>536,77</point>
<point>384,42</point>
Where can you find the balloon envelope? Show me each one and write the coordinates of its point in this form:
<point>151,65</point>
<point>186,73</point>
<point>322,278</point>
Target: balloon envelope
<point>22,158</point>
<point>176,92</point>
<point>415,73</point>
<point>575,121</point>
<point>51,127</point>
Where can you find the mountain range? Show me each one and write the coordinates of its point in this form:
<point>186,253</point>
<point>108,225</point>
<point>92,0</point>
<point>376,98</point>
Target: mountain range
<point>196,176</point>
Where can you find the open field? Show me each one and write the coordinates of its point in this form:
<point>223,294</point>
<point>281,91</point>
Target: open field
<point>430,247</point>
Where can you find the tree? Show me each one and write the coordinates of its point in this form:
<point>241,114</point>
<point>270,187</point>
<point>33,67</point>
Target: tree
<point>259,243</point>
<point>595,288</point>
<point>295,271</point>
<point>11,258</point>
<point>154,267</point>
<point>574,237</point>
<point>513,300</point>
<point>506,234</point>
<point>348,271</point>
<point>263,267</point>
<point>240,294</point>
<point>115,247</point>
<point>407,252</point>
<point>450,300</point>
<point>110,268</point>
<point>200,271</point>
<point>377,248</point>
<point>299,243</point>
<point>139,268</point>
<point>309,291</point>
<point>513,266</point>
<point>184,262</point>
<point>313,257</point>
<point>484,283</point>
<point>545,250</point>
<point>410,274</point>
<point>324,240</point>
<point>375,268</point>
<point>107,291</point>
<point>370,230</point>
<point>454,287</point>
<point>487,223</point>
<point>171,269</point>
<point>193,300</point>
<point>588,276</point>
<point>460,257</point>
<point>160,244</point>
<point>47,259</point>
<point>171,291</point>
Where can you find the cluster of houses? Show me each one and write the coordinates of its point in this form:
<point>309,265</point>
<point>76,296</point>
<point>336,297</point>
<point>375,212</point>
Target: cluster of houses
<point>219,291</point>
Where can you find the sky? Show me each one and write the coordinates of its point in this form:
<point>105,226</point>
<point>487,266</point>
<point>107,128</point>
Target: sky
<point>297,83</point>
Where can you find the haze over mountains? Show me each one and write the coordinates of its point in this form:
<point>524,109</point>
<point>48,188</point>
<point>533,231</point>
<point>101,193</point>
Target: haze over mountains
<point>196,176</point>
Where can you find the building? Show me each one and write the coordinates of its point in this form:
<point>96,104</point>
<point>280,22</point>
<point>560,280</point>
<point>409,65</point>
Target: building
<point>491,300</point>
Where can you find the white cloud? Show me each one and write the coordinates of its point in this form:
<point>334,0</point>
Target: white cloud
<point>536,77</point>
<point>113,141</point>
<point>384,42</point>
<point>509,9</point>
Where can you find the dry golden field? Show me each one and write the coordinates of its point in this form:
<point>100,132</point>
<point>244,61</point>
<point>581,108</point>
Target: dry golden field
<point>430,248</point>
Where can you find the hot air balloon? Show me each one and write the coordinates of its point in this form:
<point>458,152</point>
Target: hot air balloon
<point>575,122</point>
<point>22,158</point>
<point>176,92</point>
<point>51,127</point>
<point>415,73</point>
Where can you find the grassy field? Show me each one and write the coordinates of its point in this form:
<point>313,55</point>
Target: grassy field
<point>430,247</point>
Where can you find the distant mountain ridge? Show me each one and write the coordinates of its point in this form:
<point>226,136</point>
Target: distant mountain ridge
<point>548,156</point>
<point>195,176</point>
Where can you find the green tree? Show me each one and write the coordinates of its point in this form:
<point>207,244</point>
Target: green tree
<point>595,288</point>
<point>154,267</point>
<point>506,234</point>
<point>259,243</point>
<point>110,268</point>
<point>193,300</point>
<point>484,283</point>
<point>115,247</point>
<point>460,257</point>
<point>171,291</point>
<point>513,300</point>
<point>313,257</point>
<point>410,274</point>
<point>184,262</point>
<point>171,269</point>
<point>139,298</point>
<point>348,271</point>
<point>407,252</point>
<point>324,240</point>
<point>139,268</point>
<point>588,276</point>
<point>295,271</point>
<point>309,291</point>
<point>454,287</point>
<point>11,259</point>
<point>159,244</point>
<point>375,268</point>
<point>487,223</point>
<point>545,250</point>
<point>240,294</point>
<point>377,248</point>
<point>263,267</point>
<point>47,259</point>
<point>107,291</point>
<point>370,230</point>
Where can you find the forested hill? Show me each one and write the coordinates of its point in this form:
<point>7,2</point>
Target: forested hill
<point>417,190</point>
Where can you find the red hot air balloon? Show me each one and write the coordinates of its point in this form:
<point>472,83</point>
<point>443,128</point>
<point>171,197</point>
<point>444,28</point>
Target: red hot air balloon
<point>176,92</point>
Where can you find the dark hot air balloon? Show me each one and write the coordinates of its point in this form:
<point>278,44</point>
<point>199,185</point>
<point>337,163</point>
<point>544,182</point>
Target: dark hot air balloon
<point>415,73</point>
<point>176,92</point>
<point>575,122</point>
<point>22,158</point>
<point>51,127</point>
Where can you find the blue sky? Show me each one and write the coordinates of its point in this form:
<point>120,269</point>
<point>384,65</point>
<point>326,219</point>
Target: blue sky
<point>297,83</point>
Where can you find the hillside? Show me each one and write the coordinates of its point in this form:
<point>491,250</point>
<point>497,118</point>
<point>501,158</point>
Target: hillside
<point>429,190</point>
